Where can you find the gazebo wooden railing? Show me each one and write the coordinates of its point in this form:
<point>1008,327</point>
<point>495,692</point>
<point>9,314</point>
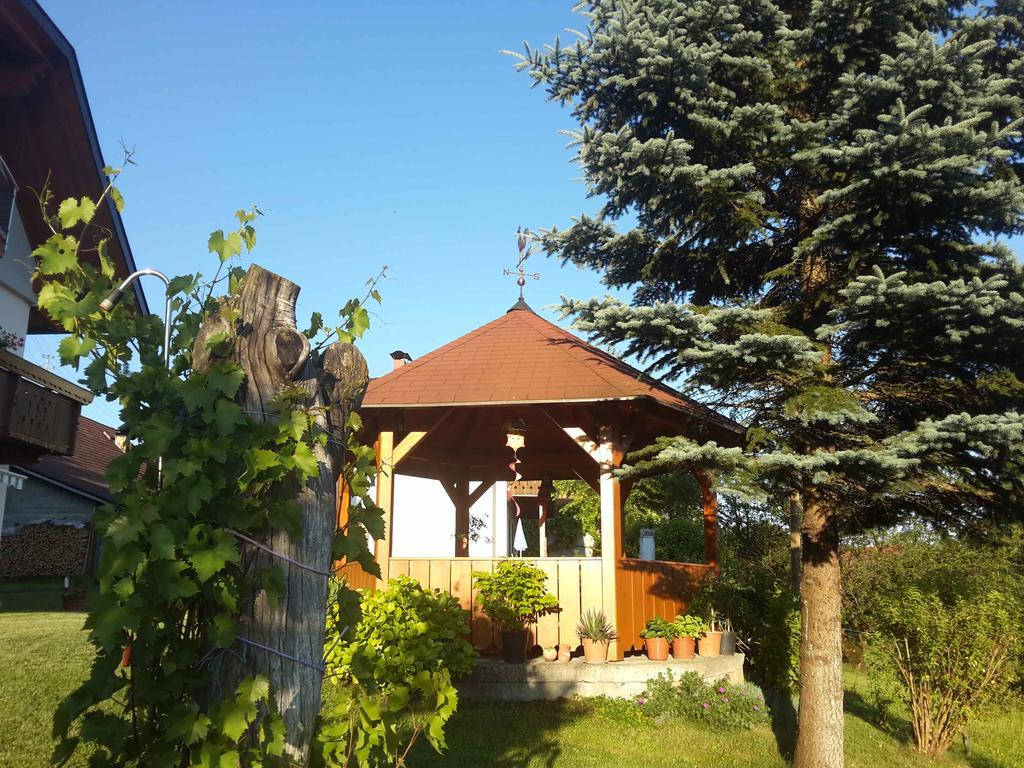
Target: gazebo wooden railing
<point>644,589</point>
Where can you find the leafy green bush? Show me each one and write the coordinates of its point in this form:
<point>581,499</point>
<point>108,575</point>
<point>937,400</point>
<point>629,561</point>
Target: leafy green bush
<point>514,595</point>
<point>680,539</point>
<point>410,629</point>
<point>391,673</point>
<point>949,658</point>
<point>721,705</point>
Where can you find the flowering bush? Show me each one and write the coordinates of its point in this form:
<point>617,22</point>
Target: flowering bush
<point>720,705</point>
<point>11,341</point>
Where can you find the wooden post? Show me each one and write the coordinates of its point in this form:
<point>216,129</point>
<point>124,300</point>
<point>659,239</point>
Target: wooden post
<point>260,320</point>
<point>710,502</point>
<point>608,455</point>
<point>461,499</point>
<point>543,539</point>
<point>385,499</point>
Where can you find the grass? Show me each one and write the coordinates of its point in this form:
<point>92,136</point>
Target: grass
<point>19,595</point>
<point>44,655</point>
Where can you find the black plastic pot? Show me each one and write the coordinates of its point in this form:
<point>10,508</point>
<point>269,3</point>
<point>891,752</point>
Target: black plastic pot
<point>513,645</point>
<point>728,643</point>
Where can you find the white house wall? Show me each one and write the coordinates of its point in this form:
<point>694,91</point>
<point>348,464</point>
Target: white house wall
<point>16,295</point>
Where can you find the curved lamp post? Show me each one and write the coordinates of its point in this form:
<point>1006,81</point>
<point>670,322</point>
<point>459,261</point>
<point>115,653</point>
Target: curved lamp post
<point>114,298</point>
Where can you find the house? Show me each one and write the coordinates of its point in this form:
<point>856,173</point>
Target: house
<point>521,399</point>
<point>47,525</point>
<point>47,136</point>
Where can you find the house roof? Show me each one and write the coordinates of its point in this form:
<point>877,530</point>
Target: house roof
<point>84,470</point>
<point>40,79</point>
<point>522,358</point>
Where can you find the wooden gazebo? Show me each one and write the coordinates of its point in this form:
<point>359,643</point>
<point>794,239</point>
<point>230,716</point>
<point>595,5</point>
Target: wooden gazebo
<point>445,415</point>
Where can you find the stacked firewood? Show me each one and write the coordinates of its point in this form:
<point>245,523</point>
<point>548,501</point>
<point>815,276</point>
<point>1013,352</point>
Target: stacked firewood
<point>44,549</point>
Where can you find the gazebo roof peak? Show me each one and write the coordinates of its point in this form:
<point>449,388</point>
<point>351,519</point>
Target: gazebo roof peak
<point>521,304</point>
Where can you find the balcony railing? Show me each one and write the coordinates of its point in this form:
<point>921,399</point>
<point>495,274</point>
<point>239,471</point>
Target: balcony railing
<point>38,411</point>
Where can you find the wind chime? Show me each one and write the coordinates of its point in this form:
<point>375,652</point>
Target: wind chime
<point>515,433</point>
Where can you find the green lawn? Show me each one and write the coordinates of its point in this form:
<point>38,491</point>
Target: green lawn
<point>30,595</point>
<point>43,655</point>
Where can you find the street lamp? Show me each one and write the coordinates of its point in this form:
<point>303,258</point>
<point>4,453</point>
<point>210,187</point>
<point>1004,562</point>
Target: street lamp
<point>114,298</point>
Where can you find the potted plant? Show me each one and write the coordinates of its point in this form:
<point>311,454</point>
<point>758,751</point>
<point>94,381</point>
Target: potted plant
<point>729,638</point>
<point>551,653</point>
<point>595,632</point>
<point>710,643</point>
<point>685,631</point>
<point>514,597</point>
<point>657,635</point>
<point>73,596</point>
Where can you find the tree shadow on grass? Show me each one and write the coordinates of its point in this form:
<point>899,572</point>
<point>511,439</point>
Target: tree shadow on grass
<point>782,715</point>
<point>896,726</point>
<point>501,734</point>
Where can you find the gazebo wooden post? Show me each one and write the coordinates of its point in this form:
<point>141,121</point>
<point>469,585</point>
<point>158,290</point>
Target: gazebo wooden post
<point>461,500</point>
<point>385,498</point>
<point>608,454</point>
<point>709,498</point>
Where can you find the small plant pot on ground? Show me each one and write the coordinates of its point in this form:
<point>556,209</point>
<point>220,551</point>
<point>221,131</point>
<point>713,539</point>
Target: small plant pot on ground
<point>710,644</point>
<point>683,647</point>
<point>73,601</point>
<point>513,645</point>
<point>551,653</point>
<point>594,652</point>
<point>657,648</point>
<point>728,647</point>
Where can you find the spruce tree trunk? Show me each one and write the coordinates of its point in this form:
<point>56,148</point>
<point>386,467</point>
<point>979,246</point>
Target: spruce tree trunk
<point>820,720</point>
<point>796,514</point>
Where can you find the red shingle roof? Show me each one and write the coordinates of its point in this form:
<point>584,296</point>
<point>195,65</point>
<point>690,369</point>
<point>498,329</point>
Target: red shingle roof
<point>84,470</point>
<point>520,358</point>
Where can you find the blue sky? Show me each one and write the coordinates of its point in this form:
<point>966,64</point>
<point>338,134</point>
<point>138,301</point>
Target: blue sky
<point>370,134</point>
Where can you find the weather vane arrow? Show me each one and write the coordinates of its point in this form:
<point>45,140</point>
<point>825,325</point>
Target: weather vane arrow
<point>522,238</point>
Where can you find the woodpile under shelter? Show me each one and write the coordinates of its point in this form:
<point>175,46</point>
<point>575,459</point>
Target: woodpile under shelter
<point>447,416</point>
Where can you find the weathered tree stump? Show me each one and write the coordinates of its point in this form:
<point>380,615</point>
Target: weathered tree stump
<point>275,355</point>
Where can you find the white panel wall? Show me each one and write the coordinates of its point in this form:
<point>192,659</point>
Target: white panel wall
<point>16,295</point>
<point>424,520</point>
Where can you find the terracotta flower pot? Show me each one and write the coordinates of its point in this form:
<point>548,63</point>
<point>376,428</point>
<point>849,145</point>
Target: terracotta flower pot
<point>710,644</point>
<point>551,654</point>
<point>73,602</point>
<point>594,653</point>
<point>683,647</point>
<point>657,648</point>
<point>564,652</point>
<point>513,645</point>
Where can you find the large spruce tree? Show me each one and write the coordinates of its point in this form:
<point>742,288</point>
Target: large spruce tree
<point>818,190</point>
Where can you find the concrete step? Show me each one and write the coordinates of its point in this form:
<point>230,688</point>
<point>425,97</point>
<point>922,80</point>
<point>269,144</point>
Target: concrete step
<point>539,679</point>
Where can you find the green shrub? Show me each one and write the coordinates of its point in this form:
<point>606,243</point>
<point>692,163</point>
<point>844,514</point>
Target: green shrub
<point>410,629</point>
<point>721,705</point>
<point>680,539</point>
<point>514,595</point>
<point>389,677</point>
<point>946,658</point>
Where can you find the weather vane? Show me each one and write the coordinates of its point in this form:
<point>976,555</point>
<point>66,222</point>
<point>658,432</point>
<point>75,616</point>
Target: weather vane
<point>522,237</point>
